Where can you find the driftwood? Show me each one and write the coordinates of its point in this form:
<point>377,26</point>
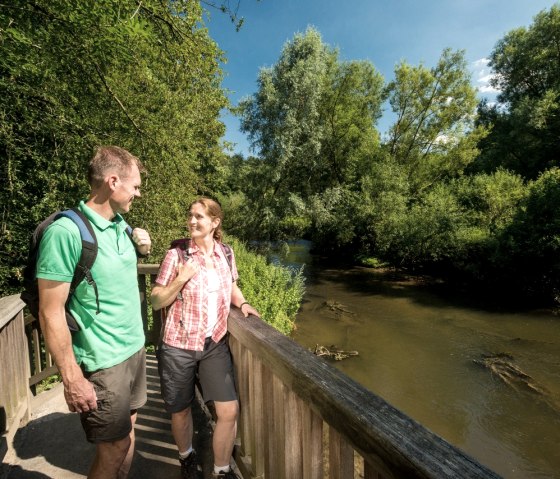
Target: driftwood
<point>337,307</point>
<point>501,364</point>
<point>332,352</point>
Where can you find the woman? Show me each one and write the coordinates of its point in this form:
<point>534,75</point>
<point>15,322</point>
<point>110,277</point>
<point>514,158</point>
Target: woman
<point>198,280</point>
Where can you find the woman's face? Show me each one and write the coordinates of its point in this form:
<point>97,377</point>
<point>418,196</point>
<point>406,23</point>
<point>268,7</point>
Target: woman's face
<point>200,224</point>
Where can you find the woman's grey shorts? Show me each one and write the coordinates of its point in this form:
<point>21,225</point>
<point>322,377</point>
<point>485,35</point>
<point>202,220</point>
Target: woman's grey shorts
<point>179,369</point>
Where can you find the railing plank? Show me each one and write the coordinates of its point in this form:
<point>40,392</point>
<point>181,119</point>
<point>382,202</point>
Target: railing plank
<point>293,433</point>
<point>36,351</point>
<point>269,439</point>
<point>15,396</point>
<point>312,437</point>
<point>279,431</point>
<point>341,457</point>
<point>370,472</point>
<point>246,412</point>
<point>10,306</point>
<point>257,419</point>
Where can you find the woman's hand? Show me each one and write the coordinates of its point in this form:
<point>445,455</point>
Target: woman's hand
<point>163,296</point>
<point>185,271</point>
<point>247,309</point>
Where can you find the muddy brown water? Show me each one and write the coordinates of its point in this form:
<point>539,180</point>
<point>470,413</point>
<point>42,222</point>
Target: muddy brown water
<point>417,350</point>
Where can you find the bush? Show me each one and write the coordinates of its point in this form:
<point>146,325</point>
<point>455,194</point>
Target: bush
<point>275,291</point>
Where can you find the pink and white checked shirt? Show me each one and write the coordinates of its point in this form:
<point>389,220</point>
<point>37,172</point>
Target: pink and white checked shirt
<point>185,325</point>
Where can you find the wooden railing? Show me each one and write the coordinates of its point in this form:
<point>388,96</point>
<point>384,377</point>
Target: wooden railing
<point>291,401</point>
<point>300,417</point>
<point>15,394</point>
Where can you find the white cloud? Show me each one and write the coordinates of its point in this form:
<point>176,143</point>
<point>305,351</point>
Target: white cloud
<point>483,74</point>
<point>481,63</point>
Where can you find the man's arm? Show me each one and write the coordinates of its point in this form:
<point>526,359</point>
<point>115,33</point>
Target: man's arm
<point>78,391</point>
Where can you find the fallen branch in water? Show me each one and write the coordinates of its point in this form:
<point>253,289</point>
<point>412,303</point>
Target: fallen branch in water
<point>332,352</point>
<point>502,365</point>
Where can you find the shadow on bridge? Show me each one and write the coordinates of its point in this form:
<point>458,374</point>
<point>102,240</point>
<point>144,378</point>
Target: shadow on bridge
<point>53,444</point>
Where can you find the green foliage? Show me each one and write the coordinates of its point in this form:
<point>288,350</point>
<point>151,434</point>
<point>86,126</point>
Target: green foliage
<point>74,75</point>
<point>491,200</point>
<point>529,248</point>
<point>372,262</point>
<point>526,122</point>
<point>312,121</point>
<point>434,136</point>
<point>275,291</point>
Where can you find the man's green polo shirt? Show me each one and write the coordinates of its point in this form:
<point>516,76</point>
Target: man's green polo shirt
<point>116,333</point>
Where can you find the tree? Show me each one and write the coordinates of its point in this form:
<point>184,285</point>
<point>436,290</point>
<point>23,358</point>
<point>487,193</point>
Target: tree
<point>526,121</point>
<point>529,248</point>
<point>312,122</point>
<point>433,137</point>
<point>73,75</point>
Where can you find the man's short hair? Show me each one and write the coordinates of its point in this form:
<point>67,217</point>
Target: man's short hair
<point>111,159</point>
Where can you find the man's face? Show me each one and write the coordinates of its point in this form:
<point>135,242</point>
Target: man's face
<point>125,189</point>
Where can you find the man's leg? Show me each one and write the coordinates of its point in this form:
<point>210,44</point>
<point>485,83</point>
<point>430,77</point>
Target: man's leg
<point>125,466</point>
<point>182,429</point>
<point>225,431</point>
<point>109,457</point>
<point>120,390</point>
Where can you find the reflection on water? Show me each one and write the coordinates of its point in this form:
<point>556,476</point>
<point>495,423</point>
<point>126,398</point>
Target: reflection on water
<point>417,351</point>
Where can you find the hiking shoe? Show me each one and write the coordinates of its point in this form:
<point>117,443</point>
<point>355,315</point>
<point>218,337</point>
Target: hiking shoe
<point>190,468</point>
<point>226,475</point>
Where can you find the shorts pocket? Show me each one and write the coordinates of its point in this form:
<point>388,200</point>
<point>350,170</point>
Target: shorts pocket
<point>98,423</point>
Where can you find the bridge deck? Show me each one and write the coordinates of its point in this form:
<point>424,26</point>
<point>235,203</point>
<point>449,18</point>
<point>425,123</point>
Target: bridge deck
<point>53,445</point>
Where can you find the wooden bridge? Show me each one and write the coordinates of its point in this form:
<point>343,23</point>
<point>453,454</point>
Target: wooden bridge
<point>300,417</point>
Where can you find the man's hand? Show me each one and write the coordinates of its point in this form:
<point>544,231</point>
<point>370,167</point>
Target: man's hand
<point>80,395</point>
<point>142,241</point>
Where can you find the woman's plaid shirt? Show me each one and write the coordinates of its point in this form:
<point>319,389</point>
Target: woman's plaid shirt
<point>185,325</point>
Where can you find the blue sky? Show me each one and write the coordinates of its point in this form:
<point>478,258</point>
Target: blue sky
<point>383,32</point>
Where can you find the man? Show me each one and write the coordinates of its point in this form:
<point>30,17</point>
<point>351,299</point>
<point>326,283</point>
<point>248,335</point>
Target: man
<point>102,365</point>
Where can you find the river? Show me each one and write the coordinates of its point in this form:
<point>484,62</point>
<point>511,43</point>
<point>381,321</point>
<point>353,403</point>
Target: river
<point>418,350</point>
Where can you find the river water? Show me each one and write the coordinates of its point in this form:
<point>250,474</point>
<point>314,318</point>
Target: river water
<point>418,350</point>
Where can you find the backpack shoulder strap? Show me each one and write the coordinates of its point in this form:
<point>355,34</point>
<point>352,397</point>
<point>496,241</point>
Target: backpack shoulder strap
<point>34,242</point>
<point>89,250</point>
<point>228,253</point>
<point>181,243</point>
<point>182,247</point>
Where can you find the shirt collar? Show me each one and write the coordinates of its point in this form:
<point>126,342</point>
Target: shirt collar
<point>193,248</point>
<point>100,222</point>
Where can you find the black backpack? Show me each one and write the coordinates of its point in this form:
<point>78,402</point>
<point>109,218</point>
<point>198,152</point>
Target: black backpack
<point>30,294</point>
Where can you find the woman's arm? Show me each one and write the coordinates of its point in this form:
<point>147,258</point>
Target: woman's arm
<point>163,296</point>
<point>237,299</point>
